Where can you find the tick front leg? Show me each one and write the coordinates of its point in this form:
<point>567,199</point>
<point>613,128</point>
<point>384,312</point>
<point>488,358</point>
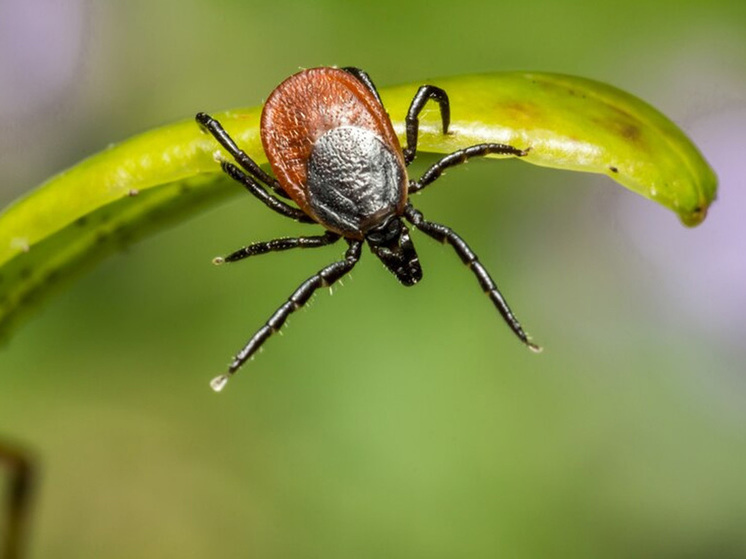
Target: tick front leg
<point>285,243</point>
<point>447,235</point>
<point>325,277</point>
<point>423,95</point>
<point>18,500</point>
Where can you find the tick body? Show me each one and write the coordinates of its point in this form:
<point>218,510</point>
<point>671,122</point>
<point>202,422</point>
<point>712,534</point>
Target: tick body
<point>334,153</point>
<point>333,149</point>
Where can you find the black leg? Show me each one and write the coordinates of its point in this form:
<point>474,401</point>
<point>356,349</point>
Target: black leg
<point>285,243</point>
<point>18,501</point>
<point>447,235</point>
<point>270,201</point>
<point>364,78</point>
<point>219,133</point>
<point>424,93</point>
<point>300,297</point>
<point>462,156</point>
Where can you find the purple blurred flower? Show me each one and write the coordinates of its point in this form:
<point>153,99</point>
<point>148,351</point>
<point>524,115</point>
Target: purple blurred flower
<point>705,267</point>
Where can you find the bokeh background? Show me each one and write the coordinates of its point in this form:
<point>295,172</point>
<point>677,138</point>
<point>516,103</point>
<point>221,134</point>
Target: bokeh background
<point>386,422</point>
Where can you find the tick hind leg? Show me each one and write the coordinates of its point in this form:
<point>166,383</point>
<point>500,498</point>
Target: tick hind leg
<point>447,235</point>
<point>18,501</point>
<point>363,77</point>
<point>214,127</point>
<point>325,277</point>
<point>423,95</point>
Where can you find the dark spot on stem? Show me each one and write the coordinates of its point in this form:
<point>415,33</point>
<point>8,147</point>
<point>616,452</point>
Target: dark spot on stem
<point>631,132</point>
<point>613,169</point>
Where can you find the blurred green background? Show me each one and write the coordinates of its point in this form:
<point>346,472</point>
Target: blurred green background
<point>386,422</point>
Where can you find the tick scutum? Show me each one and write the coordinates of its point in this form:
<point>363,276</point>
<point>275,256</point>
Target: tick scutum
<point>354,180</point>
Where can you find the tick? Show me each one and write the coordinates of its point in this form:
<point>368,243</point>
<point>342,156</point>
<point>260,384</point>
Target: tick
<point>334,153</point>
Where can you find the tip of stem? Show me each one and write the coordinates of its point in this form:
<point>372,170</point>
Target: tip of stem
<point>533,347</point>
<point>219,382</point>
<point>218,260</point>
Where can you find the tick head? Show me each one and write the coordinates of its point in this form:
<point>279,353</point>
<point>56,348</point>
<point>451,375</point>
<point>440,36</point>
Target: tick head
<point>391,243</point>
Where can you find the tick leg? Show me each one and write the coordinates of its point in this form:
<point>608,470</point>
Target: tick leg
<point>216,129</point>
<point>325,277</point>
<point>270,201</point>
<point>462,156</point>
<point>274,245</point>
<point>18,501</point>
<point>447,235</point>
<point>364,78</point>
<point>423,95</point>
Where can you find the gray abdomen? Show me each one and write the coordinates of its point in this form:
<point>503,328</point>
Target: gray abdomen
<point>354,180</point>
